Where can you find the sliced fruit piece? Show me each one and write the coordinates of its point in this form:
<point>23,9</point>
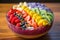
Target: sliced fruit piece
<point>34,24</point>
<point>43,22</point>
<point>27,18</point>
<point>51,14</point>
<point>29,22</point>
<point>43,12</point>
<point>24,15</point>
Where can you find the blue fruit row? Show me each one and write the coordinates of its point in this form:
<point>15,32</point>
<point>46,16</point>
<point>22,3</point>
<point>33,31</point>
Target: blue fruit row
<point>40,6</point>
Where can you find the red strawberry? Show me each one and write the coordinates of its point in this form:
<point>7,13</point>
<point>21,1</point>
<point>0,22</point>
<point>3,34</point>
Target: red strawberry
<point>18,24</point>
<point>17,21</point>
<point>11,16</point>
<point>18,11</point>
<point>13,20</point>
<point>10,12</point>
<point>13,10</point>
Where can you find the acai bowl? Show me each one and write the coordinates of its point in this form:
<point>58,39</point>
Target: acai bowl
<point>30,20</point>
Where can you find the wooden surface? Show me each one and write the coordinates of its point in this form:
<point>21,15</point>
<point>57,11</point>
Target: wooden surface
<point>7,34</point>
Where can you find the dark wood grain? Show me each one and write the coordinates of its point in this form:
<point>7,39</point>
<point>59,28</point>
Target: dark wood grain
<point>7,34</point>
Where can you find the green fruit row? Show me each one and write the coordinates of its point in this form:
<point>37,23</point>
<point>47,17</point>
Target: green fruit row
<point>45,15</point>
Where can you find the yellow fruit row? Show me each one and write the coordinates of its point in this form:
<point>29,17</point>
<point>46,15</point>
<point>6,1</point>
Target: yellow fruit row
<point>37,17</point>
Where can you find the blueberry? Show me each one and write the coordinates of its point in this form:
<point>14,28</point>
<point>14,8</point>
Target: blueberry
<point>19,17</point>
<point>48,10</point>
<point>24,27</point>
<point>38,4</point>
<point>22,19</point>
<point>23,23</point>
<point>40,7</point>
<point>43,5</point>
<point>32,5</point>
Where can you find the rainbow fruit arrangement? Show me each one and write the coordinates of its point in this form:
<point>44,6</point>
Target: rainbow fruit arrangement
<point>30,16</point>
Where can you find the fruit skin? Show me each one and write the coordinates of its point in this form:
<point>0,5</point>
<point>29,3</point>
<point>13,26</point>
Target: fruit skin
<point>13,20</point>
<point>17,21</point>
<point>11,17</point>
<point>9,13</point>
<point>18,25</point>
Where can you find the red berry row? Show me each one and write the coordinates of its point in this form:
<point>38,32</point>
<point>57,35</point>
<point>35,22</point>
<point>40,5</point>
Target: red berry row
<point>11,11</point>
<point>12,18</point>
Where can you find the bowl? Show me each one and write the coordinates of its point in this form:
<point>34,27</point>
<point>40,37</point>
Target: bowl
<point>30,33</point>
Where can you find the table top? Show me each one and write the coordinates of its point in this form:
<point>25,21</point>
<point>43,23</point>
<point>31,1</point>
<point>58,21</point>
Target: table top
<point>7,34</point>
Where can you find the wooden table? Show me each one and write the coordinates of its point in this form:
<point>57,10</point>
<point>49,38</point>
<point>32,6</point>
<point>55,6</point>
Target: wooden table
<point>7,34</point>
